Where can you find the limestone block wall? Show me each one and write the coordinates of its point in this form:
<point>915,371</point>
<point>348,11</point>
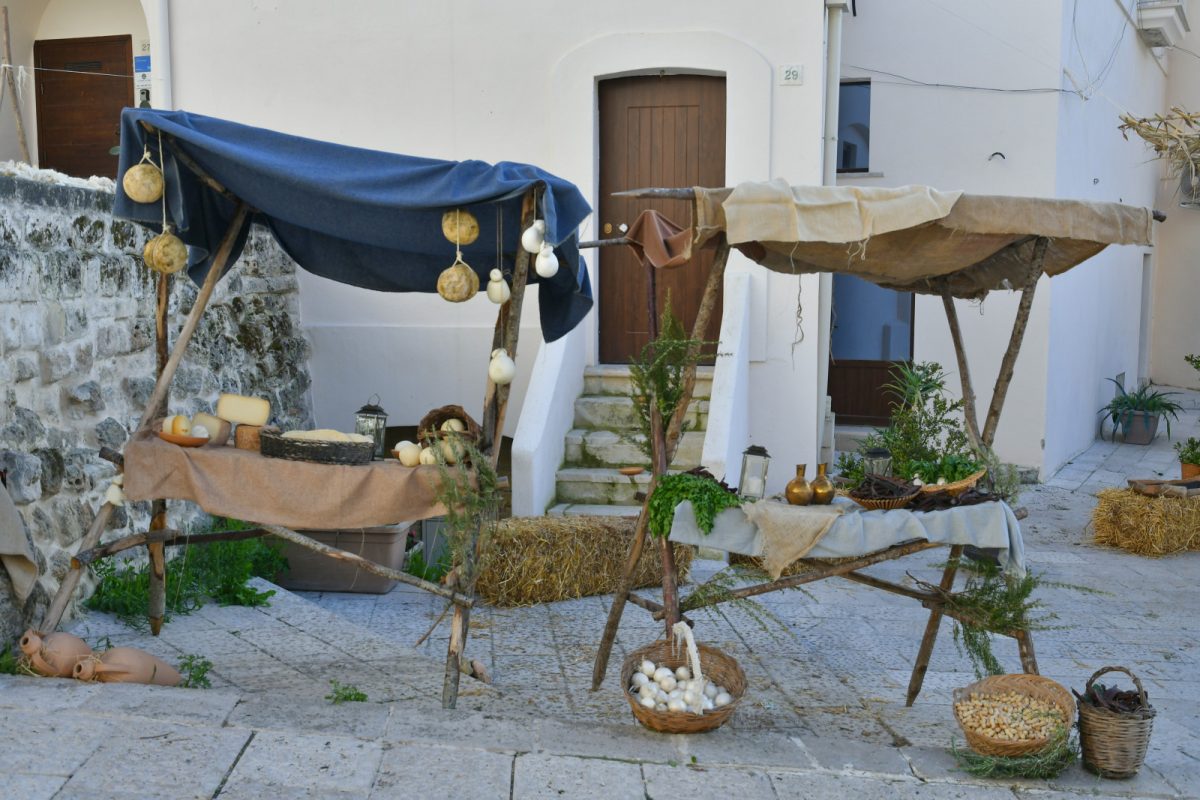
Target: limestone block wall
<point>77,361</point>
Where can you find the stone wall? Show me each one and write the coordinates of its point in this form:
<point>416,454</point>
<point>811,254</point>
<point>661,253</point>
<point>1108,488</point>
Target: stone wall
<point>77,361</point>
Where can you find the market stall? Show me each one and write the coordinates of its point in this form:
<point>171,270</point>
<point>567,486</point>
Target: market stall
<point>375,220</point>
<point>915,239</point>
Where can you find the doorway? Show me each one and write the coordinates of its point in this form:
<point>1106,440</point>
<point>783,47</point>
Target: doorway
<point>82,85</point>
<point>655,131</point>
<point>872,332</point>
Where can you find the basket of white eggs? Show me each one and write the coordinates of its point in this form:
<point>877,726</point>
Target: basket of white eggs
<point>679,686</point>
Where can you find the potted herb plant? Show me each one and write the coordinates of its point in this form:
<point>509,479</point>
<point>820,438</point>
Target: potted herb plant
<point>1137,413</point>
<point>1189,458</point>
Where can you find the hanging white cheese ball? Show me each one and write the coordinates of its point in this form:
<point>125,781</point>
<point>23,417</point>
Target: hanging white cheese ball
<point>533,236</point>
<point>647,668</point>
<point>546,263</point>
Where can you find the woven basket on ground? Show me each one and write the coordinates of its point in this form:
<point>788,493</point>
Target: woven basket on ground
<point>956,488</point>
<point>1030,685</point>
<point>276,446</point>
<point>718,667</point>
<point>1114,744</point>
<point>429,428</point>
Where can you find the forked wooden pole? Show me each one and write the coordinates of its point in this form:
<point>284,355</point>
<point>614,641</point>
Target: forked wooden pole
<point>71,580</point>
<point>673,434</point>
<point>1008,363</point>
<point>495,405</point>
<point>931,629</point>
<point>158,509</point>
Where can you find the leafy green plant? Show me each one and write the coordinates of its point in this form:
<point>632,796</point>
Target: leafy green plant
<point>1189,451</point>
<point>345,693</point>
<point>217,571</point>
<point>1145,399</point>
<point>952,467</point>
<point>657,374</point>
<point>1060,753</point>
<point>195,669</point>
<point>431,572</point>
<point>1194,360</point>
<point>10,662</point>
<point>708,499</point>
<point>468,493</point>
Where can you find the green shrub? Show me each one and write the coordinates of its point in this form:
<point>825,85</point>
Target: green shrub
<point>1145,399</point>
<point>1189,451</point>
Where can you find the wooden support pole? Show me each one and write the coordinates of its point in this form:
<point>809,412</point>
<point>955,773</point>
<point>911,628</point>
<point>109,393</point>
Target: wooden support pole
<point>964,372</point>
<point>931,629</point>
<point>11,79</point>
<point>1025,648</point>
<point>166,537</point>
<point>1008,363</point>
<point>70,581</point>
<point>158,509</point>
<point>617,609</point>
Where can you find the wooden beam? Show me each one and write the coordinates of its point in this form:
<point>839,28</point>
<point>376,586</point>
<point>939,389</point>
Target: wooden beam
<point>70,581</point>
<point>220,260</point>
<point>964,372</point>
<point>1008,363</point>
<point>888,586</point>
<point>157,591</point>
<point>624,593</point>
<point>11,80</point>
<point>190,163</point>
<point>166,536</point>
<point>604,243</point>
<point>931,628</point>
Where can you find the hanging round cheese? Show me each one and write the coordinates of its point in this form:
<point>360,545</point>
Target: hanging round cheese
<point>143,183</point>
<point>170,253</point>
<point>460,227</point>
<point>458,283</point>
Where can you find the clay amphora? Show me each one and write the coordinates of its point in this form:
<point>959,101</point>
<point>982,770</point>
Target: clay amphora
<point>127,665</point>
<point>54,655</point>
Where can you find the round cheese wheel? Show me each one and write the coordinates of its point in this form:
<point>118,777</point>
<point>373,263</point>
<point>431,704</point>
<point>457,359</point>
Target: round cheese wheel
<point>143,183</point>
<point>170,254</point>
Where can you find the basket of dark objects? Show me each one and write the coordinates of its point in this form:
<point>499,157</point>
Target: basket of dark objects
<point>879,492</point>
<point>1114,726</point>
<point>940,501</point>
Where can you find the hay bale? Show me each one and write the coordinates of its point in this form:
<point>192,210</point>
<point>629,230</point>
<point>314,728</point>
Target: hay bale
<point>542,559</point>
<point>1147,526</point>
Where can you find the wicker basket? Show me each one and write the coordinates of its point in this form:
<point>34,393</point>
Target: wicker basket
<point>885,505</point>
<point>956,488</point>
<point>429,428</point>
<point>719,668</point>
<point>276,446</point>
<point>1114,744</point>
<point>1031,685</point>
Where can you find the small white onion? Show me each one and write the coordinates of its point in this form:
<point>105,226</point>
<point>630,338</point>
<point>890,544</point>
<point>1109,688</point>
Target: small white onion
<point>662,672</point>
<point>683,674</point>
<point>723,699</point>
<point>707,704</point>
<point>648,691</point>
<point>660,706</point>
<point>640,679</point>
<point>647,668</point>
<point>690,697</point>
<point>675,693</point>
<point>647,702</point>
<point>661,696</point>
<point>668,683</point>
<point>676,705</point>
<point>711,691</point>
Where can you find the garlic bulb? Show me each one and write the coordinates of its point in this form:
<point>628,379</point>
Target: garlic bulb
<point>723,699</point>
<point>502,368</point>
<point>647,668</point>
<point>640,679</point>
<point>662,673</point>
<point>497,290</point>
<point>647,702</point>
<point>546,263</point>
<point>668,683</point>
<point>533,236</point>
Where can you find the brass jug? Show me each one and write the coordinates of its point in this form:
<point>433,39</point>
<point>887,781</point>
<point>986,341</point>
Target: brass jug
<point>799,492</point>
<point>822,488</point>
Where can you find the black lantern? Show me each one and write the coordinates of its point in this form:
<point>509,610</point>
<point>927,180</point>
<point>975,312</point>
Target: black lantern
<point>371,420</point>
<point>877,461</point>
<point>755,460</point>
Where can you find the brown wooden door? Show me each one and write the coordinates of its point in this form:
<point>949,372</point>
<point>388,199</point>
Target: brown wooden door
<point>656,131</point>
<point>79,115</point>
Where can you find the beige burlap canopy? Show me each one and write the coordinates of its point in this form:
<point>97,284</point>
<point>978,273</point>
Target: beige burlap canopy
<point>911,238</point>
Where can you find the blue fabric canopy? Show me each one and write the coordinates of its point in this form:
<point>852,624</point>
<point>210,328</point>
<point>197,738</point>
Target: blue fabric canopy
<point>361,217</point>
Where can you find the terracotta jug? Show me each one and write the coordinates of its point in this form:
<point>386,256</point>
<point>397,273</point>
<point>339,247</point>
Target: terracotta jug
<point>799,492</point>
<point>54,655</point>
<point>127,665</point>
<point>822,488</point>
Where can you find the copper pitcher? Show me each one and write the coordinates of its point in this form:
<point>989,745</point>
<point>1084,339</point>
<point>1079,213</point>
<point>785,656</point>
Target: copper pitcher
<point>822,488</point>
<point>799,491</point>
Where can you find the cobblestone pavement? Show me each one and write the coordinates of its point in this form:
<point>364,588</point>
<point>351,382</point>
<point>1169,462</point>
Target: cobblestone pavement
<point>824,716</point>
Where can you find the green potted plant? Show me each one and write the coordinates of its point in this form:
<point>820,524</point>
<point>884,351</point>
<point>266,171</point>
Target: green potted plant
<point>1189,458</point>
<point>1137,413</point>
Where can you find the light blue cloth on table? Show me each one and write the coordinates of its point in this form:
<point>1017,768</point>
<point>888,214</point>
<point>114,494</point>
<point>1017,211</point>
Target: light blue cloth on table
<point>858,532</point>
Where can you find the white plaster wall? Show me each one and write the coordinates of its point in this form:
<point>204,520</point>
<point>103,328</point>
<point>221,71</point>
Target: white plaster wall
<point>474,79</point>
<point>1177,282</point>
<point>943,137</point>
<point>71,19</point>
<point>1095,309</point>
<point>23,19</point>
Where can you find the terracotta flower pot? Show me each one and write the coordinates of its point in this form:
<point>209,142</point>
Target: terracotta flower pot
<point>1187,470</point>
<point>54,655</point>
<point>127,665</point>
<point>1140,427</point>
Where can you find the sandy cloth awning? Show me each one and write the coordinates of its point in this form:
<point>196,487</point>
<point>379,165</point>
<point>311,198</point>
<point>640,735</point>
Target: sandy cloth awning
<point>911,238</point>
<point>244,485</point>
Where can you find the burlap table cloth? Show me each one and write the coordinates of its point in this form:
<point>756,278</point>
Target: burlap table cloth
<point>245,485</point>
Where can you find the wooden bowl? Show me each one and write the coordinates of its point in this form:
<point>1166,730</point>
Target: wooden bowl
<point>183,441</point>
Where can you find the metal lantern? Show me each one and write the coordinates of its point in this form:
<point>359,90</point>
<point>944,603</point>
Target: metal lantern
<point>877,461</point>
<point>371,420</point>
<point>755,460</point>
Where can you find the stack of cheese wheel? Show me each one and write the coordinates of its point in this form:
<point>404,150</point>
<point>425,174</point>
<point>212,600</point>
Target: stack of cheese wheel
<point>248,413</point>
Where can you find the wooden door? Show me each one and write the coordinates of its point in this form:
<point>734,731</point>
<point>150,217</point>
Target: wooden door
<point>79,108</point>
<point>655,131</point>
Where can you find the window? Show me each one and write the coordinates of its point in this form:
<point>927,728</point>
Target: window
<point>854,126</point>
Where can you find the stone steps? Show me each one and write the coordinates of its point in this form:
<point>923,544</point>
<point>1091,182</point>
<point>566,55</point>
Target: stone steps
<point>606,448</point>
<point>615,412</point>
<point>613,379</point>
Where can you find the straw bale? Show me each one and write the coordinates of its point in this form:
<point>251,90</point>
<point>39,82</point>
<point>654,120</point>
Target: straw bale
<point>1147,526</point>
<point>543,559</point>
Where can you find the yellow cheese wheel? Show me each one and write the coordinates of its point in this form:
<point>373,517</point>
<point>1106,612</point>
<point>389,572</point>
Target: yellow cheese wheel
<point>215,426</point>
<point>243,410</point>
